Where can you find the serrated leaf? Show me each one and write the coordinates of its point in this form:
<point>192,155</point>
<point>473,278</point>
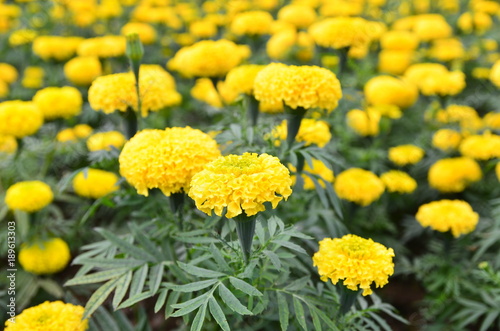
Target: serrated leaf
<point>97,277</point>
<point>121,288</point>
<point>98,297</point>
<point>132,300</point>
<point>191,287</point>
<point>127,247</point>
<point>200,272</point>
<point>244,287</point>
<point>292,246</point>
<point>299,313</point>
<point>232,302</point>
<point>190,305</point>
<point>199,318</point>
<point>284,313</point>
<point>162,297</point>
<point>275,260</point>
<point>155,277</point>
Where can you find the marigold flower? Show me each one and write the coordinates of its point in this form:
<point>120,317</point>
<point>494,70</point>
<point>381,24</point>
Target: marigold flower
<point>446,139</point>
<point>82,70</point>
<point>311,131</point>
<point>95,183</point>
<point>202,29</point>
<point>495,74</point>
<point>341,32</point>
<point>358,185</point>
<point>301,16</point>
<point>478,22</point>
<point>241,79</point>
<point>388,90</point>
<point>364,123</point>
<point>191,61</point>
<point>319,169</point>
<point>28,196</point>
<point>298,86</point>
<point>280,45</point>
<point>405,154</point>
<point>481,147</point>
<point>394,62</point>
<point>56,47</point>
<point>106,46</point>
<point>205,91</point>
<point>53,316</point>
<point>147,34</point>
<point>19,118</point>
<point>59,102</point>
<point>447,49</point>
<point>22,37</point>
<point>82,130</point>
<point>399,40</point>
<point>66,135</point>
<point>46,257</point>
<point>240,183</point>
<point>105,141</point>
<point>166,159</point>
<point>456,216</point>
<point>398,181</point>
<point>431,26</point>
<point>454,174</point>
<point>255,22</point>
<point>4,89</point>
<point>356,261</point>
<point>497,170</point>
<point>8,144</point>
<point>117,91</point>
<point>8,73</point>
<point>492,120</point>
<point>33,77</point>
<point>434,78</point>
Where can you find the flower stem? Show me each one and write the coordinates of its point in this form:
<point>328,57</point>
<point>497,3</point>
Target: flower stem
<point>176,204</point>
<point>294,120</point>
<point>343,60</point>
<point>252,106</point>
<point>130,122</point>
<point>347,298</point>
<point>245,227</point>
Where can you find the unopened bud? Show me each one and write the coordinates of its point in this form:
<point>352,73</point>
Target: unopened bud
<point>134,50</point>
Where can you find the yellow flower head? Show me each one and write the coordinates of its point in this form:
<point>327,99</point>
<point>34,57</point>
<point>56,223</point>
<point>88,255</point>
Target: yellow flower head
<point>82,130</point>
<point>341,32</point>
<point>360,186</point>
<point>388,90</point>
<point>447,49</point>
<point>22,37</point>
<point>66,135</point>
<point>208,58</point>
<point>399,40</point>
<point>59,102</point>
<point>53,316</point>
<point>405,154</point>
<point>146,32</point>
<point>481,147</point>
<point>95,183</point>
<point>4,89</point>
<point>8,73</point>
<point>318,169</point>
<point>107,46</point>
<point>8,144</point>
<point>47,257</point>
<point>301,16</point>
<point>82,70</point>
<point>19,118</point>
<point>394,62</point>
<point>495,74</point>
<point>298,86</point>
<point>202,29</point>
<point>240,183</point>
<point>478,22</point>
<point>364,123</point>
<point>166,159</point>
<point>431,26</point>
<point>28,196</point>
<point>356,261</point>
<point>117,91</point>
<point>252,23</point>
<point>205,91</point>
<point>492,120</point>
<point>398,181</point>
<point>56,47</point>
<point>497,170</point>
<point>446,139</point>
<point>241,79</point>
<point>454,174</point>
<point>280,45</point>
<point>106,140</point>
<point>456,216</point>
<point>310,132</point>
<point>33,77</point>
<point>434,78</point>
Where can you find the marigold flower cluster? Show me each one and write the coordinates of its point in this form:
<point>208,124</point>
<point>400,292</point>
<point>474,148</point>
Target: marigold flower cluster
<point>446,139</point>
<point>252,23</point>
<point>53,316</point>
<point>59,102</point>
<point>56,47</point>
<point>364,123</point>
<point>95,183</point>
<point>240,183</point>
<point>454,174</point>
<point>79,131</point>
<point>398,181</point>
<point>481,147</point>
<point>45,257</point>
<point>166,159</point>
<point>311,131</point>
<point>8,144</point>
<point>388,90</point>
<point>103,47</point>
<point>456,216</point>
<point>358,262</point>
<point>435,79</point>
<point>19,118</point>
<point>241,79</point>
<point>359,186</point>
<point>405,154</point>
<point>341,32</point>
<point>29,196</point>
<point>82,70</point>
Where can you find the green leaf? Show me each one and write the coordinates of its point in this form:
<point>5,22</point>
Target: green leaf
<point>121,289</point>
<point>162,297</point>
<point>190,305</point>
<point>171,301</point>
<point>284,313</point>
<point>335,201</point>
<point>108,263</point>
<point>298,284</point>
<point>231,301</point>
<point>200,272</point>
<point>98,297</point>
<point>272,225</point>
<point>191,287</point>
<point>315,319</point>
<point>51,287</point>
<point>299,313</point>
<point>146,243</point>
<point>261,235</point>
<point>155,277</point>
<point>199,318</point>
<point>138,280</point>
<point>244,287</point>
<point>132,300</point>
<point>275,260</point>
<point>97,277</point>
<point>488,320</point>
<point>219,259</point>
<point>105,320</point>
<point>218,314</point>
<point>127,247</point>
<point>289,245</point>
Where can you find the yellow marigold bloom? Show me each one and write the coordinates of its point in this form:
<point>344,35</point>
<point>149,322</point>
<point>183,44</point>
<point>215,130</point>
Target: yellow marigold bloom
<point>56,47</point>
<point>53,316</point>
<point>356,261</point>
<point>105,141</point>
<point>117,91</point>
<point>279,46</point>
<point>478,22</point>
<point>241,79</point>
<point>311,131</point>
<point>109,8</point>
<point>394,62</point>
<point>495,74</point>
<point>399,40</point>
<point>360,186</point>
<point>434,78</point>
<point>107,46</point>
<point>28,196</point>
<point>405,154</point>
<point>446,139</point>
<point>492,120</point>
<point>223,54</point>
<point>390,111</point>
<point>456,216</point>
<point>301,16</point>
<point>497,170</point>
<point>341,8</point>
<point>66,135</point>
<point>485,6</point>
<point>205,91</point>
<point>319,169</point>
<point>8,144</point>
<point>147,33</point>
<point>22,37</point>
<point>457,113</point>
<point>481,147</point>
<point>481,73</point>
<point>82,70</point>
<point>454,174</point>
<point>19,118</point>
<point>8,73</point>
<point>203,29</point>
<point>447,49</point>
<point>398,181</point>
<point>431,26</point>
<point>388,90</point>
<point>33,77</point>
<point>240,183</point>
<point>340,32</point>
<point>252,23</point>
<point>298,86</point>
<point>166,159</point>
<point>59,102</point>
<point>364,123</point>
<point>4,89</point>
<point>46,257</point>
<point>82,130</point>
<point>95,183</point>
